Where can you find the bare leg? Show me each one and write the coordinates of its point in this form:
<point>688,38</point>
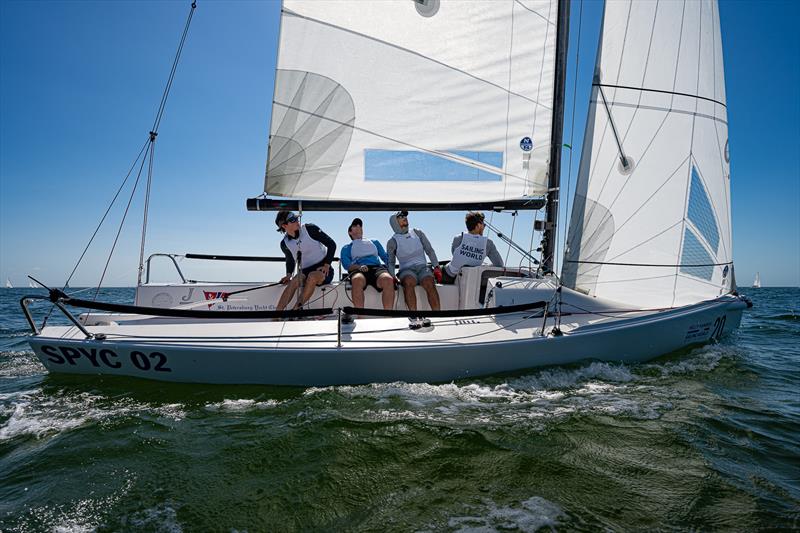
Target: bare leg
<point>433,295</point>
<point>358,282</point>
<point>315,278</point>
<point>288,293</point>
<point>386,282</point>
<point>409,293</point>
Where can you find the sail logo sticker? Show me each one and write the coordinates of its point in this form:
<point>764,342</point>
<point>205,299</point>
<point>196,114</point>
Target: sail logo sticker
<point>526,144</point>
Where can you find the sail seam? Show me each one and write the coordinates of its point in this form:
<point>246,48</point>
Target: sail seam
<point>663,91</point>
<point>650,264</point>
<point>541,72</point>
<point>508,95</point>
<point>451,67</point>
<point>691,152</point>
<point>547,19</point>
<point>666,110</point>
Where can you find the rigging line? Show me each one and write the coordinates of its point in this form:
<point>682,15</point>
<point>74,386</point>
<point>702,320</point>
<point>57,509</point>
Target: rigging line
<point>622,157</point>
<point>444,155</point>
<point>171,77</point>
<point>122,222</point>
<point>97,229</point>
<point>511,237</point>
<point>146,206</point>
<point>103,218</point>
<point>572,126</point>
<point>402,49</point>
<point>663,91</point>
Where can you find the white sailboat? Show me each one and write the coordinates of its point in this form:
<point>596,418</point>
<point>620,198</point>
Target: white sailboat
<point>757,281</point>
<point>361,108</point>
<point>8,284</point>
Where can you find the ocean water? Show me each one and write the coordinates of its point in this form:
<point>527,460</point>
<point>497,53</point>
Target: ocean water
<point>707,439</point>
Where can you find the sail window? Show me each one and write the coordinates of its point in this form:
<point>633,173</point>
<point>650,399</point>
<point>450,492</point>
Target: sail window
<point>700,212</point>
<point>414,165</point>
<point>694,253</point>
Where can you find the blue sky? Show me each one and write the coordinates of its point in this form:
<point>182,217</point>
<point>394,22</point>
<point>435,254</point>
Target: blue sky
<point>80,83</point>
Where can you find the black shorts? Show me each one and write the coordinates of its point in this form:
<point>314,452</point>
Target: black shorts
<point>447,279</point>
<point>328,278</point>
<point>372,274</point>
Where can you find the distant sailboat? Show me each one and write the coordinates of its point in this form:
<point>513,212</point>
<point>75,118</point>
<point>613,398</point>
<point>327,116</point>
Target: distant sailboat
<point>757,281</point>
<point>31,284</point>
<point>8,284</point>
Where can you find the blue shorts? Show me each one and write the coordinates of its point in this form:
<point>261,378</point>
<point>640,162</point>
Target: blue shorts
<point>418,272</point>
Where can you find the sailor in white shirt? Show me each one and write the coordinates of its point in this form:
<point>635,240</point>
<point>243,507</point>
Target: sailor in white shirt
<point>410,246</point>
<point>471,248</point>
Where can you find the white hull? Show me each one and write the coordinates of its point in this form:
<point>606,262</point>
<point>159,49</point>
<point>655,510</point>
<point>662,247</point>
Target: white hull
<point>311,352</point>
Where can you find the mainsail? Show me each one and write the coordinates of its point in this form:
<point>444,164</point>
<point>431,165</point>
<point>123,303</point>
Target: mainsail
<point>430,101</point>
<point>650,225</point>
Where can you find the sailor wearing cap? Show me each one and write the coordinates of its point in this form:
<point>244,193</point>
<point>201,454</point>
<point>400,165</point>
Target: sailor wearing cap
<point>410,246</point>
<point>312,249</point>
<point>365,260</point>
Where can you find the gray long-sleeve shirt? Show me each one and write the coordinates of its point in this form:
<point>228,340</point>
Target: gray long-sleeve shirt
<point>391,250</point>
<point>491,250</point>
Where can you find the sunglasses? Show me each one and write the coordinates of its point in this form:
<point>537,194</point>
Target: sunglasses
<point>291,218</point>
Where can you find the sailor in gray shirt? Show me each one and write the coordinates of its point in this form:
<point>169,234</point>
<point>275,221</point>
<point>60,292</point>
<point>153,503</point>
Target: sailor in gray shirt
<point>410,246</point>
<point>470,248</point>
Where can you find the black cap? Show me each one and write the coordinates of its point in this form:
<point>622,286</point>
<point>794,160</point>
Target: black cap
<point>402,213</point>
<point>356,222</point>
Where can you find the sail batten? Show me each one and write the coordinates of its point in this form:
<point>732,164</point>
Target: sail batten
<point>439,102</point>
<point>659,67</point>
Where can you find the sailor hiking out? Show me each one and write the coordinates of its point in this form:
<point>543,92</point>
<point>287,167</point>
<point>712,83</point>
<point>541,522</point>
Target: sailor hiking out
<point>309,248</point>
<point>471,248</point>
<point>365,261</point>
<point>410,246</point>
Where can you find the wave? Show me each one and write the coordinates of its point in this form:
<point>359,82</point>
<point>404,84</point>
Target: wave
<point>532,514</point>
<point>241,405</point>
<point>35,413</point>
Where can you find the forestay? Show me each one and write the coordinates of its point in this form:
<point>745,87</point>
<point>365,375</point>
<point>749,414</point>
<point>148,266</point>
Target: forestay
<point>654,230</point>
<point>413,100</point>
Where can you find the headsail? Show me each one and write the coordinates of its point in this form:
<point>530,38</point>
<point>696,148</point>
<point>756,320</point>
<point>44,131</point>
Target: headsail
<point>650,224</point>
<point>431,101</point>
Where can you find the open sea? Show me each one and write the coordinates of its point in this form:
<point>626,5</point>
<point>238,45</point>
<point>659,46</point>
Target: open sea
<point>706,439</point>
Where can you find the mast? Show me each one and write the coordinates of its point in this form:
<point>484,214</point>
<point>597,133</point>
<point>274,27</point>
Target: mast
<point>554,173</point>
